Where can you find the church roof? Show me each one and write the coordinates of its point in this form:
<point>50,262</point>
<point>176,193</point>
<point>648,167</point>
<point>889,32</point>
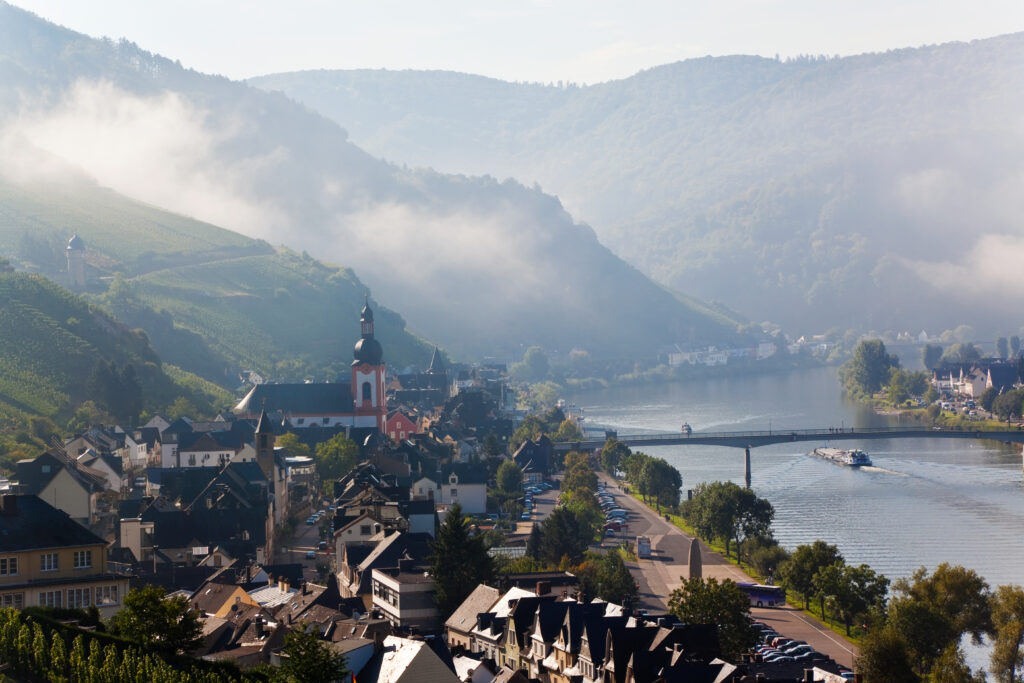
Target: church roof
<point>297,399</point>
<point>436,362</point>
<point>76,243</point>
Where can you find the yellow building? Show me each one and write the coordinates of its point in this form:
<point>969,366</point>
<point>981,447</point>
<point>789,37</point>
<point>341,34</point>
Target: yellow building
<point>48,559</point>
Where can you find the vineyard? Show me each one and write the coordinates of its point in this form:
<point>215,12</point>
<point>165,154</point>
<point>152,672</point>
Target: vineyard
<point>51,342</point>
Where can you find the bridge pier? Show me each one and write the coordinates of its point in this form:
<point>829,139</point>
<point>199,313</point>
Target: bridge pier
<point>746,456</point>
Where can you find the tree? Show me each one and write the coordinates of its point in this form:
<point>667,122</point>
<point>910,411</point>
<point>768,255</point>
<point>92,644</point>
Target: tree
<point>868,368</point>
<point>307,659</point>
<point>290,441</point>
<point>149,618</point>
<point>612,454</point>
<point>852,590</point>
<point>335,457</point>
<point>568,431</point>
<point>1014,345</point>
<point>533,543</point>
<point>1007,661</point>
<point>923,627</point>
<point>492,446</point>
<point>509,478</point>
<point>534,366</point>
<point>961,353</point>
<point>1002,348</point>
<point>705,601</point>
<point>563,534</point>
<point>957,593</point>
<point>1008,405</point>
<point>580,477</point>
<point>931,356</point>
<point>607,577</point>
<point>951,667</point>
<point>988,397</point>
<point>798,573</point>
<point>884,658</point>
<point>458,562</point>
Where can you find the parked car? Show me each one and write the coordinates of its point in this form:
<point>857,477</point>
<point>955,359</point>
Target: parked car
<point>310,554</point>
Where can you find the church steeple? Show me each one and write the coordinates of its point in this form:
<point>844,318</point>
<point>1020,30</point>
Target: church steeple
<point>368,350</point>
<point>436,363</point>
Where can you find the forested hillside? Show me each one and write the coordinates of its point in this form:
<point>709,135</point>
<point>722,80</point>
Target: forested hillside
<point>481,266</point>
<point>879,190</point>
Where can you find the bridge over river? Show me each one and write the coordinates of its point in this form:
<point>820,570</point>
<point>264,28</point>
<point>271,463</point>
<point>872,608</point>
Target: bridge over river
<point>753,439</point>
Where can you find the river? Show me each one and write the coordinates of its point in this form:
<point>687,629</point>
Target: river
<point>925,501</point>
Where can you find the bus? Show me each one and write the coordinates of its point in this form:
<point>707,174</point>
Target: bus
<point>643,547</point>
<point>762,595</point>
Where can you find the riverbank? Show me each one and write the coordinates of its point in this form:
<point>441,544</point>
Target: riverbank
<point>668,568</point>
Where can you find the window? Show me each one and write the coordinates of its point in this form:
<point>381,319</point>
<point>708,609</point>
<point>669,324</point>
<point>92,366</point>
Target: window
<point>301,420</point>
<point>106,595</point>
<point>15,600</point>
<point>367,391</point>
<point>455,493</point>
<point>45,469</point>
<point>83,559</point>
<point>48,562</point>
<point>364,530</point>
<point>191,458</point>
<point>79,597</point>
<point>326,420</point>
<point>50,598</point>
<point>8,566</point>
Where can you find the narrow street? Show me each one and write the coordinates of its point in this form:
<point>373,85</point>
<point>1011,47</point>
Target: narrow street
<point>659,576</point>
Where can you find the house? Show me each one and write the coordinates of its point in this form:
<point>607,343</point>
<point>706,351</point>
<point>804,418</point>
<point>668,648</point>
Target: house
<point>65,483</point>
<point>404,660</point>
<point>48,559</point>
<point>459,483</point>
<point>459,626</point>
<point>358,562</point>
<point>400,425</point>
<point>405,596</point>
<point>361,402</point>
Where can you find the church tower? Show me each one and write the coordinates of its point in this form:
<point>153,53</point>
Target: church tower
<point>368,376</point>
<point>265,441</point>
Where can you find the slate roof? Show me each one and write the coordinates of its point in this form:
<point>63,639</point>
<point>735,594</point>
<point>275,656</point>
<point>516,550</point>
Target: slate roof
<point>28,523</point>
<point>407,661</point>
<point>298,399</point>
<point>467,473</point>
<point>477,602</point>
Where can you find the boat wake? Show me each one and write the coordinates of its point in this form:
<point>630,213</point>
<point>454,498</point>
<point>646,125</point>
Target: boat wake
<point>882,470</point>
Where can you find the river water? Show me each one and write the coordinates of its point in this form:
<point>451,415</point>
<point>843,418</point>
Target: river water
<point>925,501</point>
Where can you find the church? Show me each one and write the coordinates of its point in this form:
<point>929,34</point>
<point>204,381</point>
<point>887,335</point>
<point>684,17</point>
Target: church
<point>359,403</point>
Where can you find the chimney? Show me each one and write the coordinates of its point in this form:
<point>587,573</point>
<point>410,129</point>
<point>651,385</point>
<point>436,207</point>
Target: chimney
<point>305,588</point>
<point>9,505</point>
<point>259,625</point>
<point>543,587</point>
<point>808,675</point>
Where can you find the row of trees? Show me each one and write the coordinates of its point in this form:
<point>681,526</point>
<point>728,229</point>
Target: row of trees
<point>653,478</point>
<point>918,636</point>
<point>552,423</point>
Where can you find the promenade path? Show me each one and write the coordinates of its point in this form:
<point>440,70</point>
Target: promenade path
<point>659,576</point>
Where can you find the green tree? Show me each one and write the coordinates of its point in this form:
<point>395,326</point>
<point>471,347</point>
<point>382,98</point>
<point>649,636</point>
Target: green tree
<point>798,573</point>
<point>931,356</point>
<point>562,534</point>
<point>568,432</point>
<point>291,442</point>
<point>884,658</point>
<point>492,447</point>
<point>307,659</point>
<point>705,601</point>
<point>959,594</point>
<point>950,667</point>
<point>606,576</point>
<point>852,590</point>
<point>612,454</point>
<point>1014,345</point>
<point>166,623</point>
<point>868,367</point>
<point>458,562</point>
<point>510,478</point>
<point>1008,404</point>
<point>931,394</point>
<point>961,353</point>
<point>1002,348</point>
<point>1007,660</point>
<point>988,397</point>
<point>923,627</point>
<point>580,477</point>
<point>335,457</point>
<point>533,543</point>
<point>533,368</point>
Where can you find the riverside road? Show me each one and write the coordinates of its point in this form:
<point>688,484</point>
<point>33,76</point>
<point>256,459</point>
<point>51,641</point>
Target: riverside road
<point>659,576</point>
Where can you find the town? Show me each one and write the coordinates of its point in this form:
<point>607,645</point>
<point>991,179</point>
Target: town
<point>410,525</point>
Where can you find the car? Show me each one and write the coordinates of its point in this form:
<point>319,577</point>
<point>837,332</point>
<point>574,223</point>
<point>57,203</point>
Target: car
<point>311,521</point>
<point>525,516</point>
<point>310,554</point>
<point>322,545</point>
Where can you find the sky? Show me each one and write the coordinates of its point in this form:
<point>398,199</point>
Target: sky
<point>581,41</point>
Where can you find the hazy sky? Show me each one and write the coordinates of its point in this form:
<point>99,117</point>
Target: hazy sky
<point>586,41</point>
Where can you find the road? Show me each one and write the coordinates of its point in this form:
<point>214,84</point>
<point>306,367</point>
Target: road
<point>659,576</point>
<point>306,538</point>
